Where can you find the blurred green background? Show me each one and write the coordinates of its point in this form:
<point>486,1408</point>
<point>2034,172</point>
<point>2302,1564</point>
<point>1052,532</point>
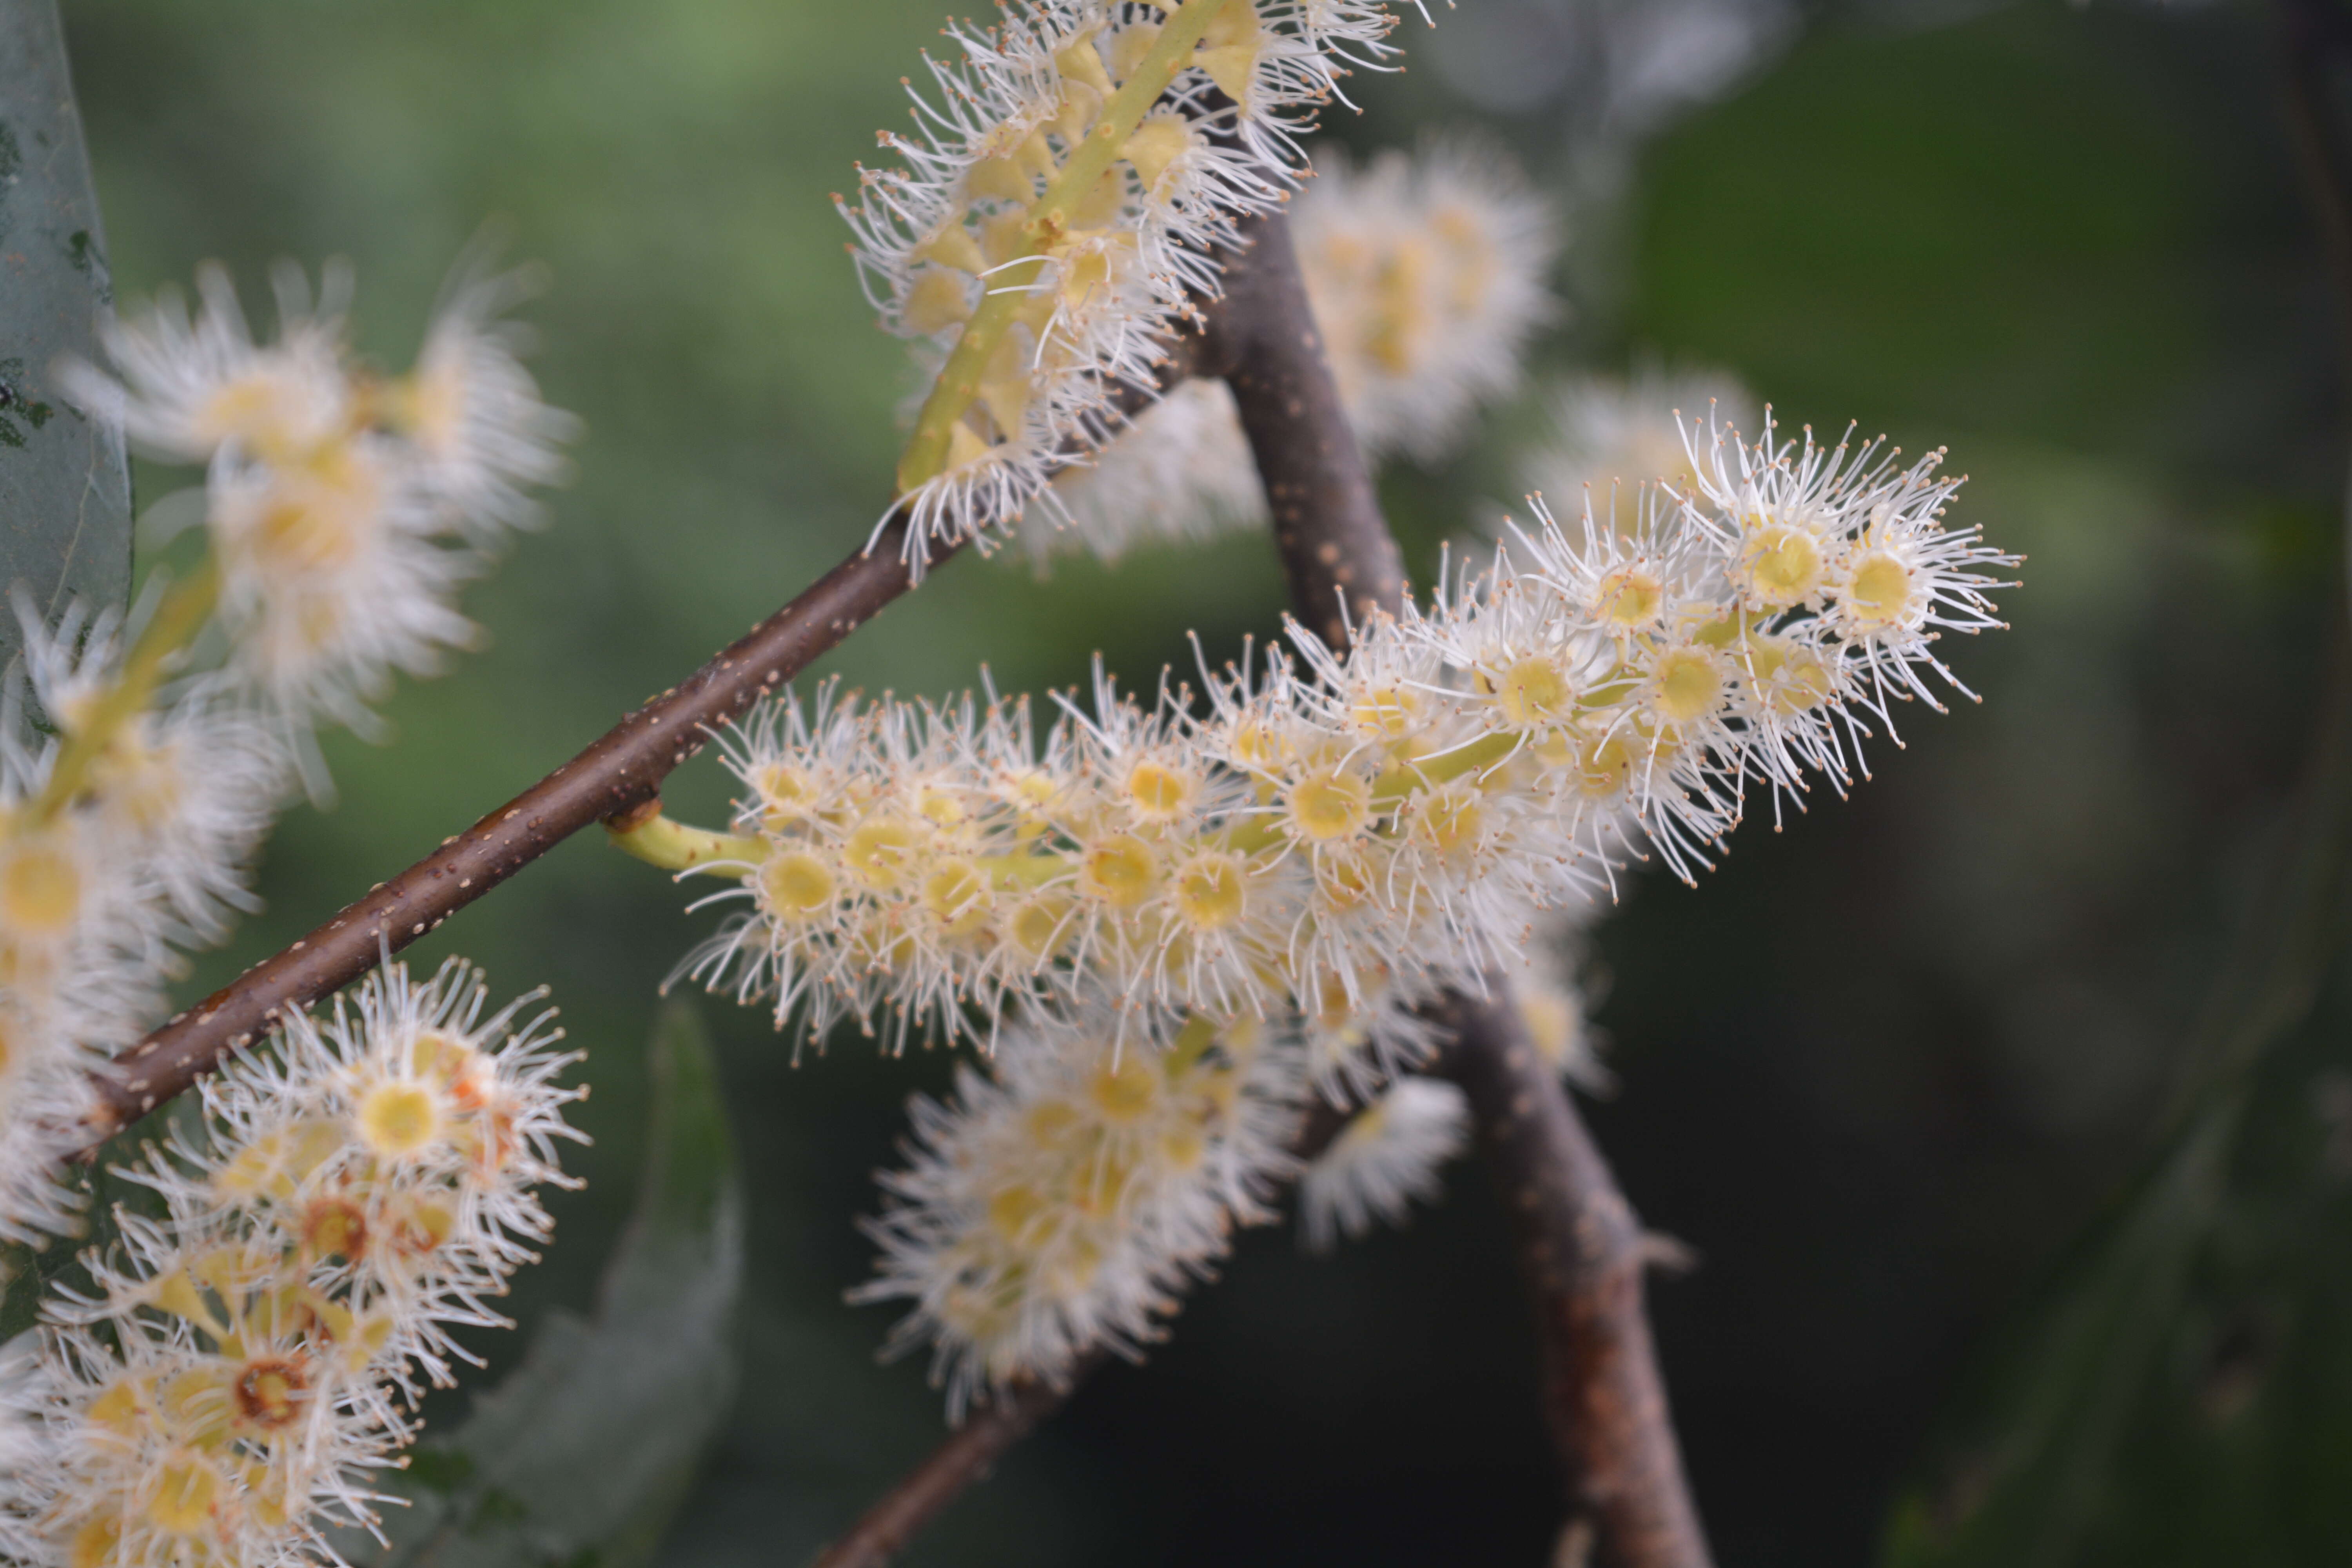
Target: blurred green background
<point>1876,1071</point>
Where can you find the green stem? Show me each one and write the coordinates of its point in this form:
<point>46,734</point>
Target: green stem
<point>675,846</point>
<point>1022,870</point>
<point>182,615</point>
<point>959,383</point>
<point>1443,767</point>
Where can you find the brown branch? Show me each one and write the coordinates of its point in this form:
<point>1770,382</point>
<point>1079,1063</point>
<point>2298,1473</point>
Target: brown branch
<point>968,1455</point>
<point>1337,551</point>
<point>1583,1253</point>
<point>620,774</point>
<point>1582,1248</point>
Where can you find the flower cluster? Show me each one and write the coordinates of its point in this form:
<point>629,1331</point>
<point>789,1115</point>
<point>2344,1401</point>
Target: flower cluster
<point>1426,274</point>
<point>247,1359</point>
<point>1291,864</point>
<point>1091,1171</point>
<point>1060,200</point>
<point>1067,1197</point>
<point>96,889</point>
<point>1429,275</point>
<point>1340,835</point>
<point>341,509</point>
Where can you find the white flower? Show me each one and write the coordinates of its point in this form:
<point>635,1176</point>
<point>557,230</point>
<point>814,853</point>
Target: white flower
<point>25,1447</point>
<point>1364,1025</point>
<point>1389,1154</point>
<point>82,958</point>
<point>171,1442</point>
<point>1428,273</point>
<point>1851,547</point>
<point>1065,1200</point>
<point>1427,277</point>
<point>1029,302</point>
<point>247,1360</point>
<point>1339,836</point>
<point>344,508</point>
<point>480,435</point>
<point>186,790</point>
<point>191,389</point>
<point>330,580</point>
<point>342,512</point>
<point>45,1093</point>
<point>399,1148</point>
<point>1543,987</point>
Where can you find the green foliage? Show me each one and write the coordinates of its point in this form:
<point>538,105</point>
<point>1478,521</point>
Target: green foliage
<point>584,1452</point>
<point>65,487</point>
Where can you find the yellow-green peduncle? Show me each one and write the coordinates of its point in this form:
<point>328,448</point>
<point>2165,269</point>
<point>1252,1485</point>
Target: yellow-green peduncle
<point>182,615</point>
<point>927,451</point>
<point>675,846</point>
<point>1444,767</point>
<point>1008,872</point>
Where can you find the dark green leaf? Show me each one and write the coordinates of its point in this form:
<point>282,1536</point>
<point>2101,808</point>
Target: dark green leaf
<point>65,489</point>
<point>582,1456</point>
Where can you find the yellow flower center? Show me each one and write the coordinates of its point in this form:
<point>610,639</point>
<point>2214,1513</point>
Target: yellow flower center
<point>184,1493</point>
<point>1784,564</point>
<point>1532,692</point>
<point>1013,1210</point>
<point>397,1118</point>
<point>317,518</point>
<point>1689,684</point>
<point>1881,591</point>
<point>1788,676</point>
<point>1629,598</point>
<point>1605,768</point>
<point>1039,925</point>
<point>1210,892</point>
<point>1051,1120</point>
<point>1399,321</point>
<point>941,807</point>
<point>1327,805</point>
<point>270,1391</point>
<point>796,885</point>
<point>1120,872</point>
<point>334,1227</point>
<point>1452,818</point>
<point>1388,711</point>
<point>1255,745</point>
<point>786,793</point>
<point>1156,791</point>
<point>40,889</point>
<point>96,1543</point>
